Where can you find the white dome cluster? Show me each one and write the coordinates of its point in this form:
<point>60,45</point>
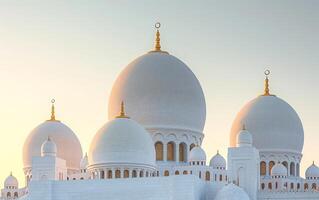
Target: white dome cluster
<point>231,192</point>
<point>312,172</point>
<point>218,162</point>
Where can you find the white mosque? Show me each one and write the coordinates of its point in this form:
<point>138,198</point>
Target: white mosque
<point>150,149</point>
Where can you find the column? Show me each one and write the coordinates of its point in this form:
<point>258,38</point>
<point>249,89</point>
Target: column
<point>165,151</point>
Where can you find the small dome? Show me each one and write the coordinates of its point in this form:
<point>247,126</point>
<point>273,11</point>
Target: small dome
<point>197,154</point>
<point>122,141</point>
<point>279,170</point>
<point>231,192</point>
<point>312,171</point>
<point>11,181</point>
<point>218,162</point>
<point>48,148</point>
<point>244,138</point>
<point>84,162</point>
<point>273,123</point>
<point>156,98</point>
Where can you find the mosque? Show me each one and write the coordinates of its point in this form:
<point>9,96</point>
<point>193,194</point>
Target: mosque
<point>150,148</point>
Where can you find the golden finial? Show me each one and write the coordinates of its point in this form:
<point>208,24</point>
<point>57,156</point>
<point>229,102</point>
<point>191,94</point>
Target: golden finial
<point>52,111</point>
<point>266,92</point>
<point>122,113</point>
<point>158,39</point>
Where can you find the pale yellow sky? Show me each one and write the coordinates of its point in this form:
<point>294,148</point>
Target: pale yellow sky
<point>74,51</point>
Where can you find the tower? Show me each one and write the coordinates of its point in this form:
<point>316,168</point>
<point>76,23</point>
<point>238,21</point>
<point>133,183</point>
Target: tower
<point>243,164</point>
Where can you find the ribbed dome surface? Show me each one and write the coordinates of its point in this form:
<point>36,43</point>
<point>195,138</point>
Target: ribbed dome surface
<point>312,171</point>
<point>218,162</point>
<point>160,91</point>
<point>11,181</point>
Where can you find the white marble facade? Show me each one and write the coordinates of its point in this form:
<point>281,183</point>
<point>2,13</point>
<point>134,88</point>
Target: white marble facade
<point>151,146</point>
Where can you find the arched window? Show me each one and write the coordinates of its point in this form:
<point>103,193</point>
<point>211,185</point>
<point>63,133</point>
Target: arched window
<point>9,194</point>
<point>109,174</point>
<point>215,177</point>
<point>182,152</point>
<point>292,169</point>
<point>297,169</point>
<point>117,173</point>
<point>159,150</point>
<point>191,146</point>
<point>271,164</point>
<point>207,176</point>
<point>176,172</point>
<point>314,186</point>
<point>298,186</point>
<point>269,186</point>
<point>141,173</point>
<point>263,168</point>
<point>15,195</point>
<point>220,177</point>
<point>134,174</point>
<point>102,176</point>
<point>171,151</point>
<point>263,186</point>
<point>200,175</point>
<point>276,185</point>
<point>292,186</point>
<point>146,174</point>
<point>306,186</point>
<point>185,172</point>
<point>166,173</point>
<point>126,173</point>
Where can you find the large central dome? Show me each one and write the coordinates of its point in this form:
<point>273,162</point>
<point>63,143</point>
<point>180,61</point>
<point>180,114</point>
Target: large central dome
<point>160,91</point>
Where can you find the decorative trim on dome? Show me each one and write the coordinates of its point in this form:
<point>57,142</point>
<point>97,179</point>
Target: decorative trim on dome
<point>122,113</point>
<point>53,112</point>
<point>158,40</point>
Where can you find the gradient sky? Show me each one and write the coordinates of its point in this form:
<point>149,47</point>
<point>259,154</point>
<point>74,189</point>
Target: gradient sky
<point>73,51</point>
